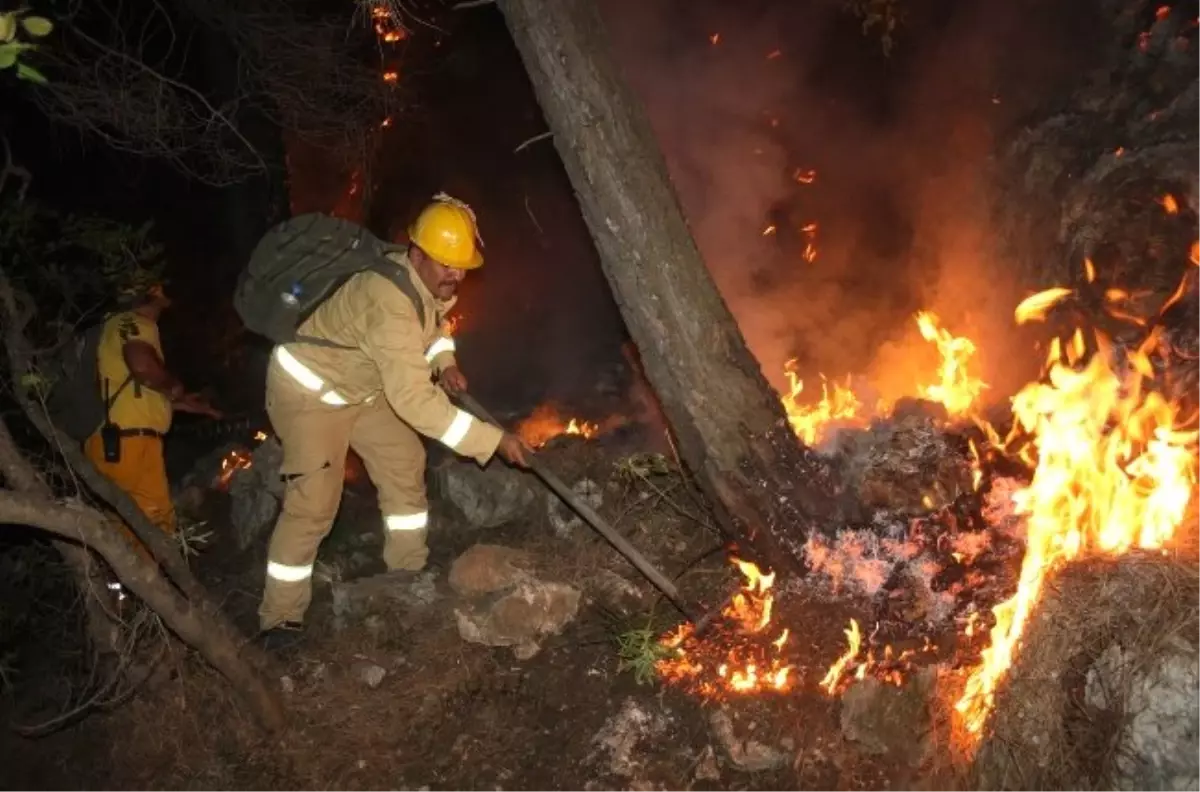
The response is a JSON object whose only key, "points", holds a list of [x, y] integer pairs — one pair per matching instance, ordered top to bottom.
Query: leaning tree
{"points": [[732, 432]]}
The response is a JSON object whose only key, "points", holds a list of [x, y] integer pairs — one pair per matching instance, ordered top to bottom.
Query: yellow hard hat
{"points": [[446, 230]]}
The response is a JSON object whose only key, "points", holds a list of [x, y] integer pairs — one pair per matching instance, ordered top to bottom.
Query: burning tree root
{"points": [[193, 623], [1103, 693]]}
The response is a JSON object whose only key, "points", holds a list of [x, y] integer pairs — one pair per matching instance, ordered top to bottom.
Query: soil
{"points": [[456, 715]]}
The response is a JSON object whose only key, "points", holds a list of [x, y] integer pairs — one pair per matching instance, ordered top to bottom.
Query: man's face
{"points": [[441, 280]]}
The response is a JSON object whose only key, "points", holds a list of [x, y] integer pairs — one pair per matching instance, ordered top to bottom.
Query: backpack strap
{"points": [[402, 281], [109, 402]]}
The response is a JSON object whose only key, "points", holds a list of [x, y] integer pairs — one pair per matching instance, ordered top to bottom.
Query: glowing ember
{"points": [[391, 76], [804, 176], [1169, 204], [957, 390], [546, 423], [259, 436], [1112, 472], [747, 662]]}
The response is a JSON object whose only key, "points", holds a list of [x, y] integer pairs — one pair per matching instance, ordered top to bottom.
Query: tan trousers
{"points": [[315, 438]]}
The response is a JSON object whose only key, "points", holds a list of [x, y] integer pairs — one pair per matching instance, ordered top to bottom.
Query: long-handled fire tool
{"points": [[620, 543]]}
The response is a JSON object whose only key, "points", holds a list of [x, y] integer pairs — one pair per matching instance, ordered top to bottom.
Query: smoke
{"points": [[746, 97]]}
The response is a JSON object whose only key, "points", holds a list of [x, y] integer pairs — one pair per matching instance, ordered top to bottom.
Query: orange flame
{"points": [[1169, 204], [956, 390], [808, 421], [545, 423], [237, 459], [1113, 471], [751, 665], [834, 675]]}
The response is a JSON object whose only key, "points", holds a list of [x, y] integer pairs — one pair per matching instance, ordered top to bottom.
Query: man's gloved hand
{"points": [[452, 380], [513, 450]]}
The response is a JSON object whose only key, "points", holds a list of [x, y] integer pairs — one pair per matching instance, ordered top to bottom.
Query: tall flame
{"points": [[956, 390], [1113, 472]]}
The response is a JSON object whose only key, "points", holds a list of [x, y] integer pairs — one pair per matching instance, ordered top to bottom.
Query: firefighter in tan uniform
{"points": [[373, 395]]}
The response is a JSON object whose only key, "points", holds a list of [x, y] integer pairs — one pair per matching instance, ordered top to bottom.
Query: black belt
{"points": [[140, 433]]}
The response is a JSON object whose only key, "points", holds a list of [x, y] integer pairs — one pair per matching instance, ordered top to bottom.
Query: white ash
{"points": [[851, 562], [860, 563]]}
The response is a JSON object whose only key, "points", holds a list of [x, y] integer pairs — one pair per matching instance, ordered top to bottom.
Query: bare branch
{"points": [[532, 140], [12, 170], [194, 623]]}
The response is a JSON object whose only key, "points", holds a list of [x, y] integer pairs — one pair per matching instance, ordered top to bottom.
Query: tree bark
{"points": [[730, 425]]}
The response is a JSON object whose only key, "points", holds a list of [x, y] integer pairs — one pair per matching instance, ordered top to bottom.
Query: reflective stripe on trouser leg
{"points": [[314, 461], [309, 505], [404, 545]]}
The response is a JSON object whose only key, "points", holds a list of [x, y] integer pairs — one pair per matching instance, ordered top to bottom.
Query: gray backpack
{"points": [[301, 262]]}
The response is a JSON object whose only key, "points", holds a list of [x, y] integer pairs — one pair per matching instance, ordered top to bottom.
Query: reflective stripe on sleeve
{"points": [[443, 344], [333, 398], [458, 429], [406, 522], [288, 573]]}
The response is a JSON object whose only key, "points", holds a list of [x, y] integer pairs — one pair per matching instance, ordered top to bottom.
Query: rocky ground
{"points": [[519, 658]]}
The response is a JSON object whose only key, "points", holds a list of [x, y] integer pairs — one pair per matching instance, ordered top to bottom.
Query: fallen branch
{"points": [[193, 623]]}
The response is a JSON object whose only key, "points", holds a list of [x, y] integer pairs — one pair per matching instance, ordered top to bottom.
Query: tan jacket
{"points": [[394, 353]]}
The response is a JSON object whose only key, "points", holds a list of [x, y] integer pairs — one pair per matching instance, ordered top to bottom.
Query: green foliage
{"points": [[886, 15], [12, 25], [639, 651]]}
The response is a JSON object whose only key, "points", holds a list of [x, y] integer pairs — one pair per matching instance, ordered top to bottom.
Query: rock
{"points": [[256, 493], [486, 497], [562, 518], [485, 568], [359, 599], [532, 610], [368, 673], [1156, 704], [885, 719], [622, 734], [749, 755]]}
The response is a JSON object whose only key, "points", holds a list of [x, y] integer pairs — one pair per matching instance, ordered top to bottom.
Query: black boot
{"points": [[282, 637]]}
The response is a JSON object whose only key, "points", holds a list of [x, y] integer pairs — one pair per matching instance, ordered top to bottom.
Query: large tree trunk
{"points": [[731, 428]]}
